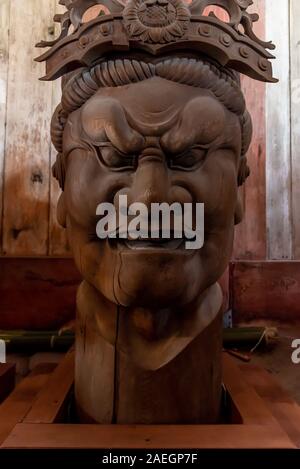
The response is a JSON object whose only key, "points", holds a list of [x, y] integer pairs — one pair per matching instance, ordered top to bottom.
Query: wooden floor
{"points": [[278, 360], [263, 416]]}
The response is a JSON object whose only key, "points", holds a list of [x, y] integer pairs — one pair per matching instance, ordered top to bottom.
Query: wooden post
{"points": [[114, 382]]}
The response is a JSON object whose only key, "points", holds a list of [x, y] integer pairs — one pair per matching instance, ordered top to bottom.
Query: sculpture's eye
{"points": [[114, 159], [190, 159]]}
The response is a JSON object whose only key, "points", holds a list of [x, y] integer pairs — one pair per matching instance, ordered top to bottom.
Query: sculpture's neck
{"points": [[150, 338], [138, 366]]}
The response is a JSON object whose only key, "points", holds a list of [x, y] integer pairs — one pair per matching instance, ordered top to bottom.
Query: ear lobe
{"points": [[244, 170], [243, 174], [61, 211], [239, 211]]}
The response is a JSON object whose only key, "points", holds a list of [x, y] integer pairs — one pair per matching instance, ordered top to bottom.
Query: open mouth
{"points": [[122, 241], [174, 241], [159, 242], [144, 244]]}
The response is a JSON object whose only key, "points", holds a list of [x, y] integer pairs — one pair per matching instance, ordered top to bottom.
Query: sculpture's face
{"points": [[164, 142]]}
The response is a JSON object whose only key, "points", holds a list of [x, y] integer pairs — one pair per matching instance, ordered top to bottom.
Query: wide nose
{"points": [[151, 181]]}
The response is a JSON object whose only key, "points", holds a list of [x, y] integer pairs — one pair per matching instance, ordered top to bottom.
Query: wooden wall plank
{"points": [[4, 41], [295, 121], [27, 160], [278, 169], [30, 223], [250, 235], [58, 243], [268, 291]]}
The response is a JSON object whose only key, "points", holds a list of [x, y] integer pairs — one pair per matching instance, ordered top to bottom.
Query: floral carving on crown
{"points": [[156, 21], [155, 27]]}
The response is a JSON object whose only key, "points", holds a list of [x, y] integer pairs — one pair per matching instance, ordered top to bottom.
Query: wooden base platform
{"points": [[261, 416]]}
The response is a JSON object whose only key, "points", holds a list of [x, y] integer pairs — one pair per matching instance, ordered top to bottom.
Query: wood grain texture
{"points": [[4, 47], [295, 122], [27, 160], [278, 169], [30, 223], [250, 235], [58, 243], [46, 291], [268, 291], [37, 293], [95, 361], [127, 374], [185, 390], [245, 399], [277, 400], [50, 405], [16, 406], [259, 428], [68, 436]]}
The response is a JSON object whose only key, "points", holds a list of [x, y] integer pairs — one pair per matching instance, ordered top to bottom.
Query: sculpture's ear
{"points": [[247, 131], [59, 170], [244, 171], [61, 210], [239, 210]]}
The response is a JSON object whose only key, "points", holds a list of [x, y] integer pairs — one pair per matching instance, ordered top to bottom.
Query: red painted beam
{"points": [[268, 290], [37, 293]]}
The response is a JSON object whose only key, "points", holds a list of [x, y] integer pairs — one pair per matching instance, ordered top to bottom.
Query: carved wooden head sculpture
{"points": [[151, 108]]}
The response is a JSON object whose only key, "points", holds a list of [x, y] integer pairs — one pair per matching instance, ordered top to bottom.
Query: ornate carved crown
{"points": [[158, 27]]}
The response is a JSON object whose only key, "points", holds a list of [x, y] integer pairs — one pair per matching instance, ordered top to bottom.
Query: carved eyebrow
{"points": [[103, 118], [187, 133], [109, 144]]}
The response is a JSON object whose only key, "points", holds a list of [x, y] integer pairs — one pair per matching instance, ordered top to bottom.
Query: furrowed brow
{"points": [[104, 118], [202, 120]]}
